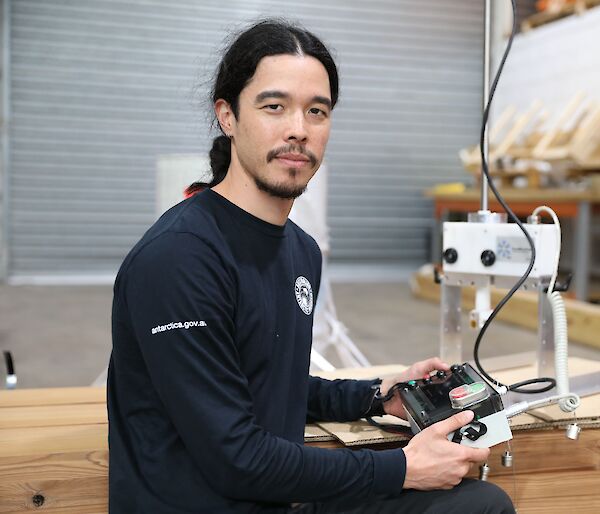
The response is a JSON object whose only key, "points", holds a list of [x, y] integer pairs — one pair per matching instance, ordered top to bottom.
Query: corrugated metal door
{"points": [[99, 89]]}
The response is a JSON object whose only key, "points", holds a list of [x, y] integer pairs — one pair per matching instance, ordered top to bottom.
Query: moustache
{"points": [[273, 154]]}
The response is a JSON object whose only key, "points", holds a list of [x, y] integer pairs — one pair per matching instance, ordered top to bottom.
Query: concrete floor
{"points": [[60, 336]]}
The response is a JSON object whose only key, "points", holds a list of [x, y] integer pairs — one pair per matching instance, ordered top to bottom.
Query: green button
{"points": [[411, 382]]}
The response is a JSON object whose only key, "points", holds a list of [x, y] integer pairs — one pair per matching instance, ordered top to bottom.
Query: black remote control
{"points": [[441, 395]]}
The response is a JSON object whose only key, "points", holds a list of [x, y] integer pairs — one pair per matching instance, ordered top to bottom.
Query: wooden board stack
{"points": [[54, 451]]}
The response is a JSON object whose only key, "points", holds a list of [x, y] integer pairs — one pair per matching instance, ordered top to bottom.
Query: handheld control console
{"points": [[437, 397]]}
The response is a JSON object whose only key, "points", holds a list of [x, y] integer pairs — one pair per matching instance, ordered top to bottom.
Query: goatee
{"points": [[283, 191]]}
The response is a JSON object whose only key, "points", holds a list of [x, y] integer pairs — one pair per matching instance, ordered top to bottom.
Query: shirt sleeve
{"points": [[179, 294], [341, 400]]}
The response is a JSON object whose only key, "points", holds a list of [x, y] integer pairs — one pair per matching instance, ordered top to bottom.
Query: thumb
{"points": [[455, 422]]}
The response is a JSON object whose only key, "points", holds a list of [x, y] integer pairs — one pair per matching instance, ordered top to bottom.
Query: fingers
{"points": [[437, 363], [422, 368], [419, 370], [454, 422], [478, 454]]}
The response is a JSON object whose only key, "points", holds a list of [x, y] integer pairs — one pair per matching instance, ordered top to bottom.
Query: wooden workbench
{"points": [[578, 205], [54, 455]]}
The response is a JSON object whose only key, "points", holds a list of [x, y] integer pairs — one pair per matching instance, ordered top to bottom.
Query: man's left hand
{"points": [[416, 371]]}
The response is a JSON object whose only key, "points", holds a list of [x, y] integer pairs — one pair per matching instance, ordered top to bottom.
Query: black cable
{"points": [[513, 216], [8, 361], [517, 386], [391, 392], [390, 427]]}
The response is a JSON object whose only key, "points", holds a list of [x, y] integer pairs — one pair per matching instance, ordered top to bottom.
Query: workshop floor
{"points": [[60, 336]]}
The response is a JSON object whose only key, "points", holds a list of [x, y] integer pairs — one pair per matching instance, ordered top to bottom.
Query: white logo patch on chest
{"points": [[304, 295]]}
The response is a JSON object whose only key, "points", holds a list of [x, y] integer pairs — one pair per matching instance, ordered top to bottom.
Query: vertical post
{"points": [[486, 95], [582, 249], [451, 350], [546, 367]]}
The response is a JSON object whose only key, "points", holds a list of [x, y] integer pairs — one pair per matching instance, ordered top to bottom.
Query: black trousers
{"points": [[469, 497]]}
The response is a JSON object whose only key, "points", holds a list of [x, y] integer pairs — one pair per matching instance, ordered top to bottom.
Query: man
{"points": [[208, 387]]}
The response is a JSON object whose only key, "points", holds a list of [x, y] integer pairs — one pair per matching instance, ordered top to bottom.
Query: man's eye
{"points": [[273, 107], [317, 112]]}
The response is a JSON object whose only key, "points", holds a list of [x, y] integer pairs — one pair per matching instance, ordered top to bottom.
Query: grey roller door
{"points": [[100, 88]]}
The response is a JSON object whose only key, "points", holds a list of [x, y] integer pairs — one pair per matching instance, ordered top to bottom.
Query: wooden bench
{"points": [[54, 457]]}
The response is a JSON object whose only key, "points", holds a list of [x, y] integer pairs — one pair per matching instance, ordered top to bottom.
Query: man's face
{"points": [[283, 124]]}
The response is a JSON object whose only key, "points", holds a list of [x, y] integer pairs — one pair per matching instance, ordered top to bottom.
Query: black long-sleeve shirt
{"points": [[208, 386]]}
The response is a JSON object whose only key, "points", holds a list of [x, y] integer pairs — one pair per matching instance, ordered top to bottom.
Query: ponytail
{"points": [[220, 157]]}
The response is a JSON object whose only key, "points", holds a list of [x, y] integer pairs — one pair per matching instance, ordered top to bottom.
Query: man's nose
{"points": [[296, 130]]}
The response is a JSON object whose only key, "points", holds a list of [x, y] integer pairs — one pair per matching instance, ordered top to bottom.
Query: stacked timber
{"points": [[552, 10], [526, 149], [54, 451], [54, 456]]}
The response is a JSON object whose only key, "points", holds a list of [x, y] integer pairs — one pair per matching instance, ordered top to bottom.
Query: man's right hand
{"points": [[433, 462]]}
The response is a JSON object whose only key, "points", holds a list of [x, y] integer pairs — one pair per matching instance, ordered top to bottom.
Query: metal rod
{"points": [[486, 96], [583, 225]]}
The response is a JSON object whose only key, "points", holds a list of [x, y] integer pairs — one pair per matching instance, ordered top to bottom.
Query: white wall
{"points": [[552, 63]]}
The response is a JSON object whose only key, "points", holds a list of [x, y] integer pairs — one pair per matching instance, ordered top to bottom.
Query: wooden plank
{"points": [[550, 15], [516, 130], [551, 136], [585, 144], [549, 195], [563, 209], [522, 310], [362, 373], [52, 396], [53, 415], [45, 440], [541, 451], [68, 464], [59, 466], [551, 475], [78, 478], [69, 482], [554, 492], [89, 494], [100, 508]]}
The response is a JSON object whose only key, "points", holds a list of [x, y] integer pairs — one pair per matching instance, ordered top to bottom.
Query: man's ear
{"points": [[225, 116]]}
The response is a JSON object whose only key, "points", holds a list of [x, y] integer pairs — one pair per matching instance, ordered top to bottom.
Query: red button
{"points": [[459, 392]]}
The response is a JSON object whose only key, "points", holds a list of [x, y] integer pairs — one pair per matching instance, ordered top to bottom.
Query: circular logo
{"points": [[504, 249], [304, 295]]}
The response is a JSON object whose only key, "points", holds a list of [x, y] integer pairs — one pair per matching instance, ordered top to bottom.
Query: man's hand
{"points": [[416, 371], [433, 462]]}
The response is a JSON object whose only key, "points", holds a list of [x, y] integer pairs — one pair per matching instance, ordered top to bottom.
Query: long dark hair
{"points": [[236, 69]]}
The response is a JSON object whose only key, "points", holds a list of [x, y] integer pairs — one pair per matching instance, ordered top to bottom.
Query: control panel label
{"points": [[513, 249]]}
